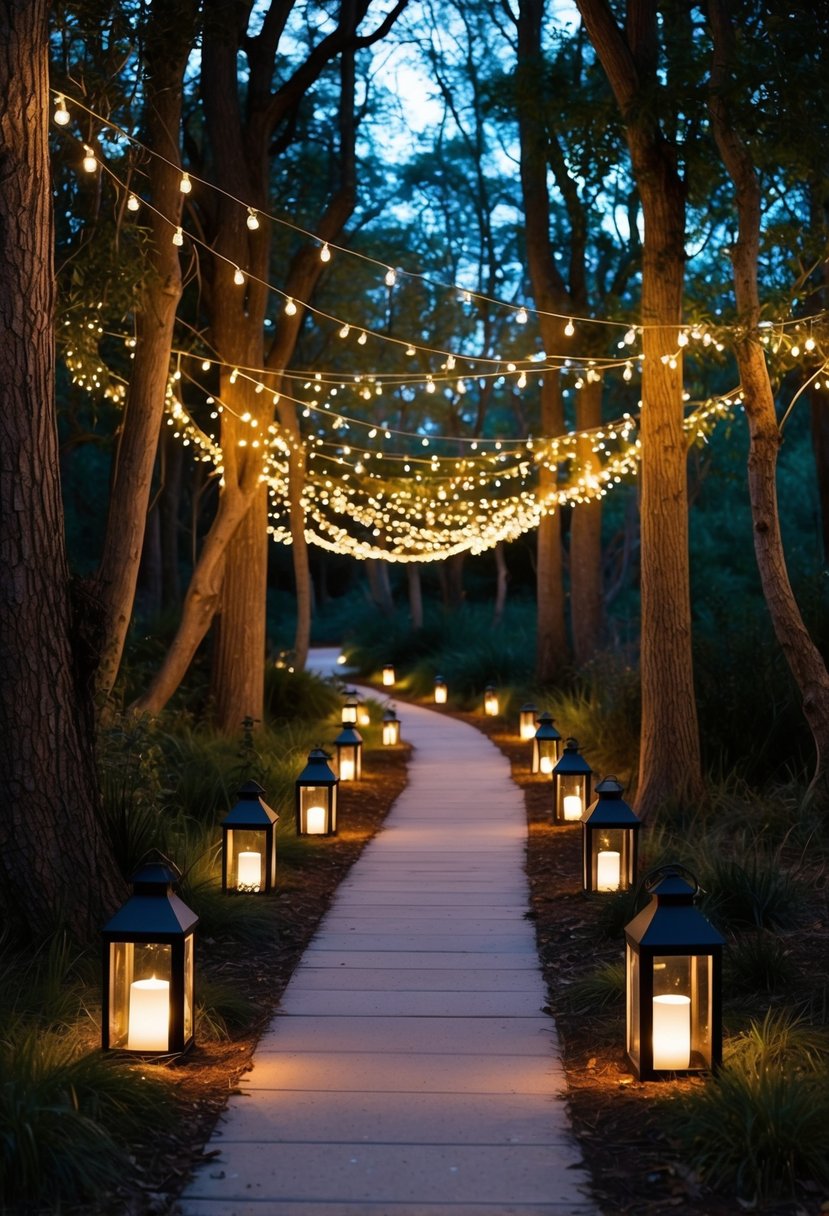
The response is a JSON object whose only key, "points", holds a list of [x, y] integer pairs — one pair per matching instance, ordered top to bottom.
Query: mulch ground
{"points": [[635, 1168]]}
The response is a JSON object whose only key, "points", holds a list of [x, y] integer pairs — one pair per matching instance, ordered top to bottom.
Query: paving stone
{"points": [[308, 978], [404, 1033]]}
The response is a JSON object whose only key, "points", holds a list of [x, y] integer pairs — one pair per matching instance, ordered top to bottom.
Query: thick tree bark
{"points": [[168, 44], [450, 573], [415, 594], [586, 597], [803, 657], [669, 765], [56, 869]]}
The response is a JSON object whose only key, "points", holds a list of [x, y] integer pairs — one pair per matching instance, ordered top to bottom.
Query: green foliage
{"points": [[298, 696], [602, 711], [753, 893], [758, 962], [601, 990], [222, 1010], [66, 1116], [761, 1124]]}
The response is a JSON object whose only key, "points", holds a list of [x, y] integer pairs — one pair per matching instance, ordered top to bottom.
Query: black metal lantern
{"points": [[388, 676], [441, 691], [491, 701], [349, 710], [527, 716], [391, 728], [546, 745], [349, 754], [572, 785], [316, 797], [249, 844], [610, 845], [674, 980], [147, 1004]]}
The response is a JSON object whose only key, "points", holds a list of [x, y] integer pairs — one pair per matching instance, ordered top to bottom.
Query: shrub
{"points": [[758, 962]]}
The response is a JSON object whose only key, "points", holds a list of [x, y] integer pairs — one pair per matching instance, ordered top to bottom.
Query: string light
{"points": [[61, 115], [90, 163], [185, 185], [132, 203], [252, 220], [178, 237], [325, 254], [238, 277], [391, 277], [290, 307], [522, 316], [569, 329]]}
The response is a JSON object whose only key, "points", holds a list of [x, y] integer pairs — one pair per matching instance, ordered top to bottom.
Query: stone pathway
{"points": [[410, 1070]]}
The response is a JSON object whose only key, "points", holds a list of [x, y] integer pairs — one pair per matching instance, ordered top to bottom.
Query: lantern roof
{"points": [[528, 708], [390, 714], [546, 730], [349, 735], [572, 763], [316, 771], [610, 809], [250, 811], [153, 909], [671, 921]]}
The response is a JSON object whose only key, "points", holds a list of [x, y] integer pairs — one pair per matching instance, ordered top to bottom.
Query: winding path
{"points": [[410, 1070]]}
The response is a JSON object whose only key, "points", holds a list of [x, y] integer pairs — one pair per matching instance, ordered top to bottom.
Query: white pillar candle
{"points": [[440, 696], [527, 730], [389, 733], [545, 764], [346, 769], [572, 806], [315, 820], [608, 870], [249, 874], [149, 1020], [671, 1031]]}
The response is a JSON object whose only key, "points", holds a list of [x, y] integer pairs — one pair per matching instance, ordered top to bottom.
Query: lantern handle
{"points": [[671, 869]]}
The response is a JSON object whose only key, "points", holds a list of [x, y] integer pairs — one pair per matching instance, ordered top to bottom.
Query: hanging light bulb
{"points": [[61, 113], [90, 164], [185, 185], [132, 203], [253, 220], [178, 237], [325, 254], [238, 277], [391, 277], [290, 307], [521, 316], [569, 329], [345, 331], [363, 338], [682, 338], [410, 350], [205, 365], [627, 374], [522, 380], [430, 385]]}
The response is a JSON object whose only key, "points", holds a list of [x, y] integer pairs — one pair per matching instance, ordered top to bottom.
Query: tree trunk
{"points": [[169, 42], [820, 446], [169, 504], [377, 573], [451, 582], [502, 583], [148, 590], [415, 595], [586, 597], [551, 651], [803, 657], [669, 763], [56, 869]]}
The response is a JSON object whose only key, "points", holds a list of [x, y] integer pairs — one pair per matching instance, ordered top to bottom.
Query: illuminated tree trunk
{"points": [[168, 44], [586, 598], [551, 651], [803, 657], [669, 766], [56, 870]]}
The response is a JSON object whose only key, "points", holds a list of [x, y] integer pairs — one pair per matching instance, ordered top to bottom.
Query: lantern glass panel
{"points": [[388, 676], [440, 693], [491, 704], [349, 714], [526, 724], [391, 733], [545, 755], [349, 761], [571, 795], [314, 810], [247, 859], [610, 859], [188, 986], [139, 995], [682, 1011], [634, 1018]]}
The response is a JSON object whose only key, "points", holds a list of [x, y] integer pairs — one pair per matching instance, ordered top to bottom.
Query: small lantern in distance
{"points": [[388, 675], [441, 691], [491, 701], [363, 714], [348, 716], [527, 716], [391, 728], [546, 745], [349, 754], [572, 785], [316, 797], [249, 844], [610, 844], [673, 971], [147, 1004]]}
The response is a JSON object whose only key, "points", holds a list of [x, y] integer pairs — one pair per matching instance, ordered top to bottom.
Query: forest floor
{"points": [[636, 1170]]}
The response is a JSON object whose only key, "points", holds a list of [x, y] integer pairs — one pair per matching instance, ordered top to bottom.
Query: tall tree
{"points": [[802, 655], [670, 754], [55, 867]]}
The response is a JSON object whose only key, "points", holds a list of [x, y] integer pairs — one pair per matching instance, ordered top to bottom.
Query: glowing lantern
{"points": [[388, 675], [441, 691], [491, 701], [349, 711], [363, 714], [527, 716], [391, 728], [546, 745], [349, 754], [572, 785], [316, 797], [610, 842], [249, 844], [148, 967], [674, 981]]}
